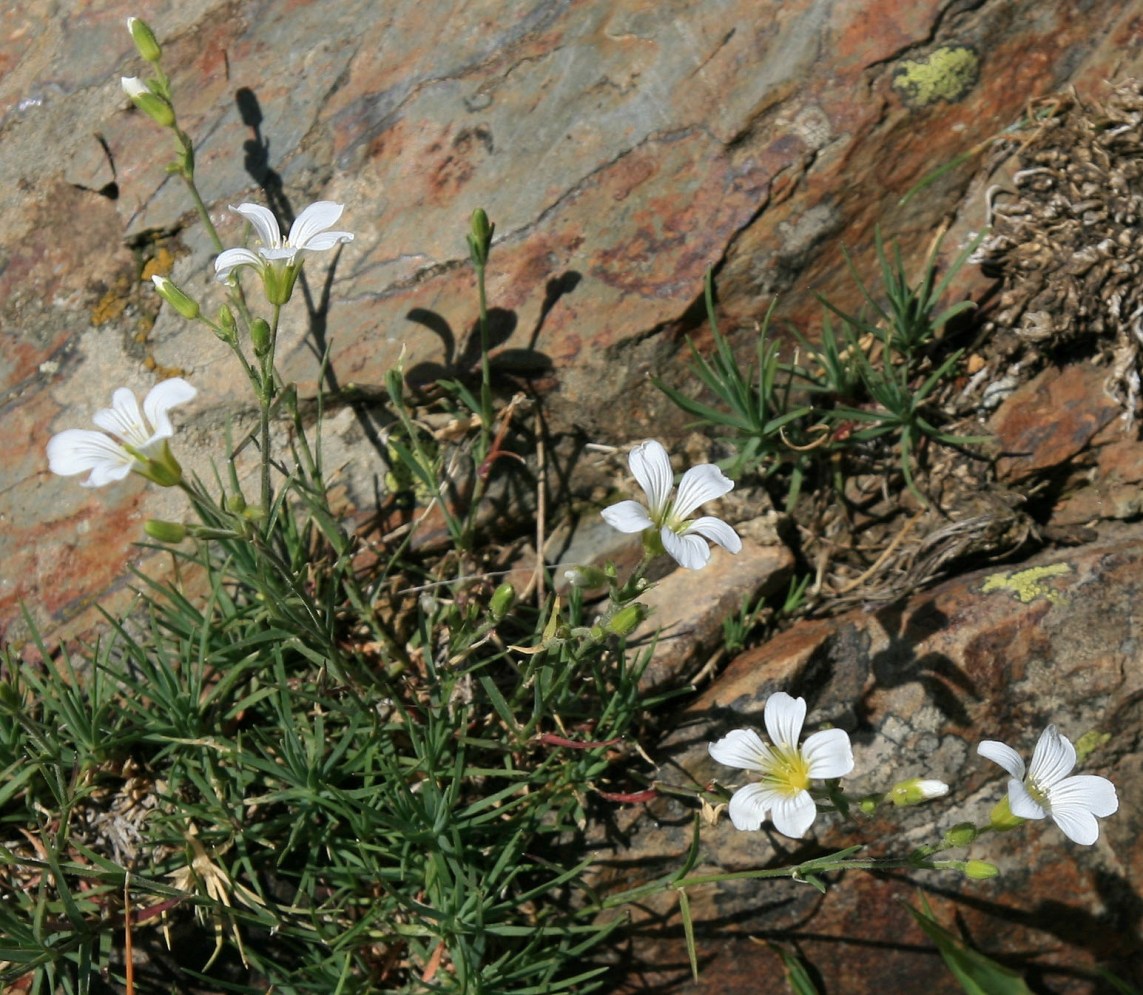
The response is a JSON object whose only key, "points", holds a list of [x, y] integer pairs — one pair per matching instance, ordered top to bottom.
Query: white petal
{"points": [[133, 86], [319, 216], [263, 222], [326, 240], [279, 254], [231, 259], [162, 397], [124, 419], [78, 450], [651, 466], [700, 484], [627, 516], [716, 530], [690, 551], [784, 719], [742, 748], [828, 754], [1004, 755], [1052, 760], [927, 787], [1095, 793], [1023, 804], [750, 805], [793, 816], [1076, 823]]}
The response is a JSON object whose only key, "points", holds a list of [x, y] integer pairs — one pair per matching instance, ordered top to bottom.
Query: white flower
{"points": [[277, 259], [134, 440], [684, 539], [787, 769], [1072, 803]]}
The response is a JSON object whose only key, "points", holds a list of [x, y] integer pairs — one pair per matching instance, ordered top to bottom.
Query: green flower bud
{"points": [[146, 44], [149, 102], [480, 238], [176, 298], [227, 327], [260, 336], [236, 503], [170, 532], [586, 577], [501, 601], [627, 619], [916, 790], [961, 834], [980, 870]]}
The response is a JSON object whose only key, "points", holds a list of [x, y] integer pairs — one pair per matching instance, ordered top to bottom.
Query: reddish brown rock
{"points": [[1051, 419]]}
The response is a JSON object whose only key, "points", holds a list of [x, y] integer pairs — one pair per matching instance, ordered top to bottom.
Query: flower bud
{"points": [[146, 44], [149, 102], [480, 238], [176, 298], [227, 327], [260, 336], [236, 503], [170, 532], [585, 577], [501, 601], [627, 619], [916, 790], [961, 834], [980, 870]]}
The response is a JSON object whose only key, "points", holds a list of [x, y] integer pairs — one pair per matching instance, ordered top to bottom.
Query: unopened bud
{"points": [[146, 44], [149, 102], [480, 237], [176, 298], [227, 327], [260, 336], [236, 503], [170, 532], [585, 577], [501, 601], [627, 619], [916, 790], [961, 834], [980, 870]]}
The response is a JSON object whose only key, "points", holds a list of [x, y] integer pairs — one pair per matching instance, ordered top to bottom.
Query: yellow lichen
{"points": [[947, 73], [160, 264], [109, 307], [1028, 585]]}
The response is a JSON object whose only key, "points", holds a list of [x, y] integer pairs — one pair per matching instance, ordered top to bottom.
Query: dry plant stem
{"points": [[879, 562]]}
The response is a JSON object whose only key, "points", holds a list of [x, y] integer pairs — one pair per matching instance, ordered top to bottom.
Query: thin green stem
{"points": [[266, 393]]}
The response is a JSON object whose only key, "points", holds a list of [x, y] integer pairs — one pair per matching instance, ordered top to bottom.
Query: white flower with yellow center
{"points": [[279, 260], [130, 441], [683, 538], [1046, 790], [783, 794]]}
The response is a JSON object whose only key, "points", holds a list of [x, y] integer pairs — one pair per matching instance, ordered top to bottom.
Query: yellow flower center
{"points": [[788, 772]]}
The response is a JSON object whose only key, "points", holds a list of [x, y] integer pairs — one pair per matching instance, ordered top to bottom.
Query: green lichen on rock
{"points": [[947, 73]]}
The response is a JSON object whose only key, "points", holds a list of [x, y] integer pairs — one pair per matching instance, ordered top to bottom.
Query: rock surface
{"points": [[621, 149]]}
